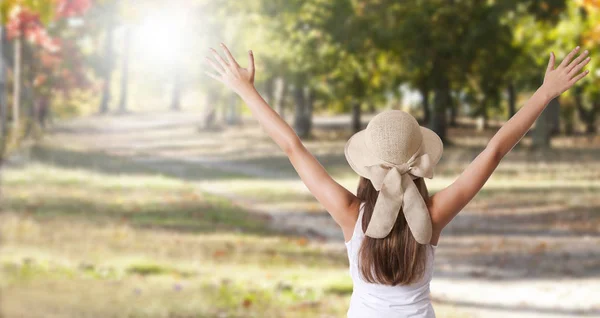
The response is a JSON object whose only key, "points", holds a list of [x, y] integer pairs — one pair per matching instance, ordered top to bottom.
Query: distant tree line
{"points": [[468, 58]]}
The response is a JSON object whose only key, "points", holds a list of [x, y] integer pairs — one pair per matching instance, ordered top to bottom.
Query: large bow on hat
{"points": [[398, 190]]}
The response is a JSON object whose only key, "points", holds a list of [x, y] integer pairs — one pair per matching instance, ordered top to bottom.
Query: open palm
{"points": [[230, 72], [559, 79]]}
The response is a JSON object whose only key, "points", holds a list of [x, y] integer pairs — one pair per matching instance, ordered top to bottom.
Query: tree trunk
{"points": [[108, 67], [125, 71], [17, 82], [424, 90], [269, 91], [359, 94], [28, 96], [279, 96], [176, 97], [310, 99], [512, 100], [441, 101], [3, 105], [44, 106], [371, 107], [553, 110], [453, 112], [484, 113], [224, 114], [356, 114], [587, 116], [232, 117], [208, 118], [591, 123], [301, 125], [540, 136]]}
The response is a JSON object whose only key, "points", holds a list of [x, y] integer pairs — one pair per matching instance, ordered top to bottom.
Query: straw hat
{"points": [[391, 152]]}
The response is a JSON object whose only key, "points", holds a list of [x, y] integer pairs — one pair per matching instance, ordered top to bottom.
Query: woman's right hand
{"points": [[230, 73], [559, 79]]}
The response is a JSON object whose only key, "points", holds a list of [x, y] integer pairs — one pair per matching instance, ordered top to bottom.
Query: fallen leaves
{"points": [[303, 241], [540, 248], [219, 253], [247, 302]]}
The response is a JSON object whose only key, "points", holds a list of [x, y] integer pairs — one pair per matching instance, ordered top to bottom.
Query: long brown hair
{"points": [[397, 259]]}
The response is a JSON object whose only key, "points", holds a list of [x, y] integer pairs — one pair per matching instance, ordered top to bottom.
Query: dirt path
{"points": [[491, 263]]}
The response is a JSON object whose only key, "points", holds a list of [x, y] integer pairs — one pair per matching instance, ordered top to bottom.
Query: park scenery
{"points": [[133, 185]]}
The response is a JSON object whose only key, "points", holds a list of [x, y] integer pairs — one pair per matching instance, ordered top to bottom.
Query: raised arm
{"points": [[337, 200], [447, 203]]}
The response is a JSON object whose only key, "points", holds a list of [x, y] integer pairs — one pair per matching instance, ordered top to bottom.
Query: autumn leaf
{"points": [[303, 241], [540, 248], [219, 253], [247, 302]]}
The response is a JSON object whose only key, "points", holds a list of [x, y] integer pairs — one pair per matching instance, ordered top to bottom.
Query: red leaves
{"points": [[71, 8], [22, 21], [26, 23], [63, 73]]}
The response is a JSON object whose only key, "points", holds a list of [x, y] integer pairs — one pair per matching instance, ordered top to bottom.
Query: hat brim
{"points": [[432, 145], [358, 155]]}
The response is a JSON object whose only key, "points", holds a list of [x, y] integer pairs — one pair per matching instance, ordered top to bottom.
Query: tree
{"points": [[27, 20], [24, 24], [292, 29], [446, 45], [349, 54], [108, 58], [125, 70], [355, 70], [587, 96], [3, 106]]}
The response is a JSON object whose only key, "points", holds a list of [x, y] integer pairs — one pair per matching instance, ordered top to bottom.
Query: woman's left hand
{"points": [[230, 73], [559, 79]]}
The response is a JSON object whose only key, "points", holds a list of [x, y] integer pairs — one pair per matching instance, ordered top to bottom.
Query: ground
{"points": [[144, 215]]}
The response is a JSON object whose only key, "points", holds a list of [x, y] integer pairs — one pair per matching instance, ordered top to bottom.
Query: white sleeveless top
{"points": [[375, 300]]}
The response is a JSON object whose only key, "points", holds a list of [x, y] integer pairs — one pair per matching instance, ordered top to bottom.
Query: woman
{"points": [[392, 226]]}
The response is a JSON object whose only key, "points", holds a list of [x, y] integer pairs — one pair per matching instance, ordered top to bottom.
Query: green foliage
{"points": [[45, 9], [353, 51], [146, 269]]}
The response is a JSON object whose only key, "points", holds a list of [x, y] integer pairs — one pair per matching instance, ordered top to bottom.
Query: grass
{"points": [[141, 201], [96, 230], [79, 243]]}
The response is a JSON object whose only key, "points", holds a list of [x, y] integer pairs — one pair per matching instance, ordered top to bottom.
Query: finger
{"points": [[230, 57], [569, 57], [220, 59], [577, 60], [251, 62], [551, 62], [214, 65], [579, 66], [580, 76], [217, 77]]}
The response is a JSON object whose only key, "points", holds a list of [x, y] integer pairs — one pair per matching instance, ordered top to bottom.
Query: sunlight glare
{"points": [[161, 36]]}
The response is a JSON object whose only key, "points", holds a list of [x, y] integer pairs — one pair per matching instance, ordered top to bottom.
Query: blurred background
{"points": [[133, 185]]}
